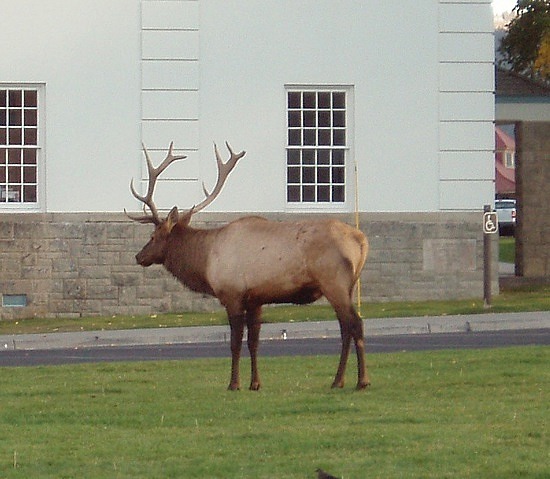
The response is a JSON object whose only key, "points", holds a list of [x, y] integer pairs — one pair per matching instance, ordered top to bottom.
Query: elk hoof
{"points": [[337, 385], [362, 385], [254, 386], [233, 387]]}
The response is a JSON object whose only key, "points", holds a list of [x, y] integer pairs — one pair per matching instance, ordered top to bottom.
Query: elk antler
{"points": [[223, 172], [154, 173]]}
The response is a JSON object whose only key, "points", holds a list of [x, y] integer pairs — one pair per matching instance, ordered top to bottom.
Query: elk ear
{"points": [[172, 218]]}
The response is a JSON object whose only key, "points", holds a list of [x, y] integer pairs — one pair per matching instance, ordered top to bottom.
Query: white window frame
{"points": [[347, 149], [39, 204]]}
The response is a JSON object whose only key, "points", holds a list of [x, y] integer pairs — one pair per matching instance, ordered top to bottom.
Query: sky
{"points": [[501, 6]]}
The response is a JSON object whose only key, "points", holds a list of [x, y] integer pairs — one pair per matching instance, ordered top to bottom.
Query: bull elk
{"points": [[253, 261]]}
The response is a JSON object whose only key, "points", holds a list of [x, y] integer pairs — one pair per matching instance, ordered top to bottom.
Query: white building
{"points": [[400, 94]]}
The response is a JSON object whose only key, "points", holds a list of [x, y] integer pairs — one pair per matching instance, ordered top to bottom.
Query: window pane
{"points": [[3, 98], [15, 98], [31, 98], [294, 99], [310, 100], [324, 100], [338, 100], [16, 117], [3, 118], [294, 118], [309, 118], [324, 118], [339, 118], [3, 136], [15, 136], [30, 136], [294, 137], [309, 137], [324, 137], [339, 138], [3, 156], [14, 156], [29, 156], [293, 157], [308, 157], [323, 157], [337, 157], [2, 174], [14, 174], [29, 174], [338, 174], [293, 175], [308, 175], [323, 175], [14, 193], [29, 193], [308, 193], [323, 193], [293, 194], [338, 195]]}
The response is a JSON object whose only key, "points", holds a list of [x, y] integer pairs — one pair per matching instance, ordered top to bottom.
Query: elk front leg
{"points": [[253, 320], [237, 327]]}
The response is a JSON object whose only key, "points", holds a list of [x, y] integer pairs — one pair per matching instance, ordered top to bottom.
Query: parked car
{"points": [[506, 212]]}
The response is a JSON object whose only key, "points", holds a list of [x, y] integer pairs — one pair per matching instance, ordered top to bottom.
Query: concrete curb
{"points": [[307, 330]]}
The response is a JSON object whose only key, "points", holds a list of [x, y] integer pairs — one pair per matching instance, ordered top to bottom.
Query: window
{"points": [[19, 146], [317, 146], [509, 159]]}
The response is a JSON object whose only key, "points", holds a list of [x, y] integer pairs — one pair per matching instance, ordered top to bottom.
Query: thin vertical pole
{"points": [[357, 226], [487, 264]]}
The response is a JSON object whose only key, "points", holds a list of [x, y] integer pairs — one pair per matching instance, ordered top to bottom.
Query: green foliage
{"points": [[522, 45], [427, 415]]}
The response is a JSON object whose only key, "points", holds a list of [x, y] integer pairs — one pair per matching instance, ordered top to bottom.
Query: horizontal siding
{"points": [[170, 15], [462, 17], [170, 45], [466, 47], [170, 75], [466, 77], [170, 89], [165, 105], [463, 106], [466, 136], [466, 165], [466, 195]]}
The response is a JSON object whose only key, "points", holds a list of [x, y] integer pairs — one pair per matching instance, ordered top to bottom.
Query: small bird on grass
{"points": [[324, 475]]}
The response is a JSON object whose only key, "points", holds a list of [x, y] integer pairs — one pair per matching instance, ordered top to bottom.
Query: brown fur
{"points": [[252, 261]]}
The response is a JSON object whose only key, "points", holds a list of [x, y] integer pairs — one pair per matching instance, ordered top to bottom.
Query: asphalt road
{"points": [[294, 347]]}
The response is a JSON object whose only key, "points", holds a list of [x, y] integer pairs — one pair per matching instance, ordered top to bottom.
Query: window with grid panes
{"points": [[317, 144], [19, 145]]}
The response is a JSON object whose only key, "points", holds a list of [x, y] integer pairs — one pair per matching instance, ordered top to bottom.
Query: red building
{"points": [[505, 168]]}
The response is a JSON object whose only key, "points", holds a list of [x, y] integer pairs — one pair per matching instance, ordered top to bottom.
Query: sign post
{"points": [[490, 227]]}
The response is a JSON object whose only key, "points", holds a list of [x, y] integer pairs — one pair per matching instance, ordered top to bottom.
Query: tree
{"points": [[525, 47]]}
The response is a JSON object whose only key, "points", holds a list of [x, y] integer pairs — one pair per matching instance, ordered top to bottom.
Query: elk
{"points": [[253, 261]]}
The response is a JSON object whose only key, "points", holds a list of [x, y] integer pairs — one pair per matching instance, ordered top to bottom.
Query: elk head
{"points": [[154, 252]]}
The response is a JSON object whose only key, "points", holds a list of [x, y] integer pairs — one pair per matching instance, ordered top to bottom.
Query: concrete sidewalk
{"points": [[313, 329]]}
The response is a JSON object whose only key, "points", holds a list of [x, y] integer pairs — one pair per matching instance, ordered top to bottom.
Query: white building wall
{"points": [[84, 54], [195, 71], [466, 104]]}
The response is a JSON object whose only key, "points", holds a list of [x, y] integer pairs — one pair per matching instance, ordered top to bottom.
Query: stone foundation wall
{"points": [[533, 193], [79, 265]]}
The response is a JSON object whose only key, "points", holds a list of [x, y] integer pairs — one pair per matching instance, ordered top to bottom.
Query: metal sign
{"points": [[490, 222]]}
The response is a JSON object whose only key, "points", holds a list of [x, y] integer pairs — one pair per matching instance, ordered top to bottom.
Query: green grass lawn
{"points": [[507, 249], [449, 414]]}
